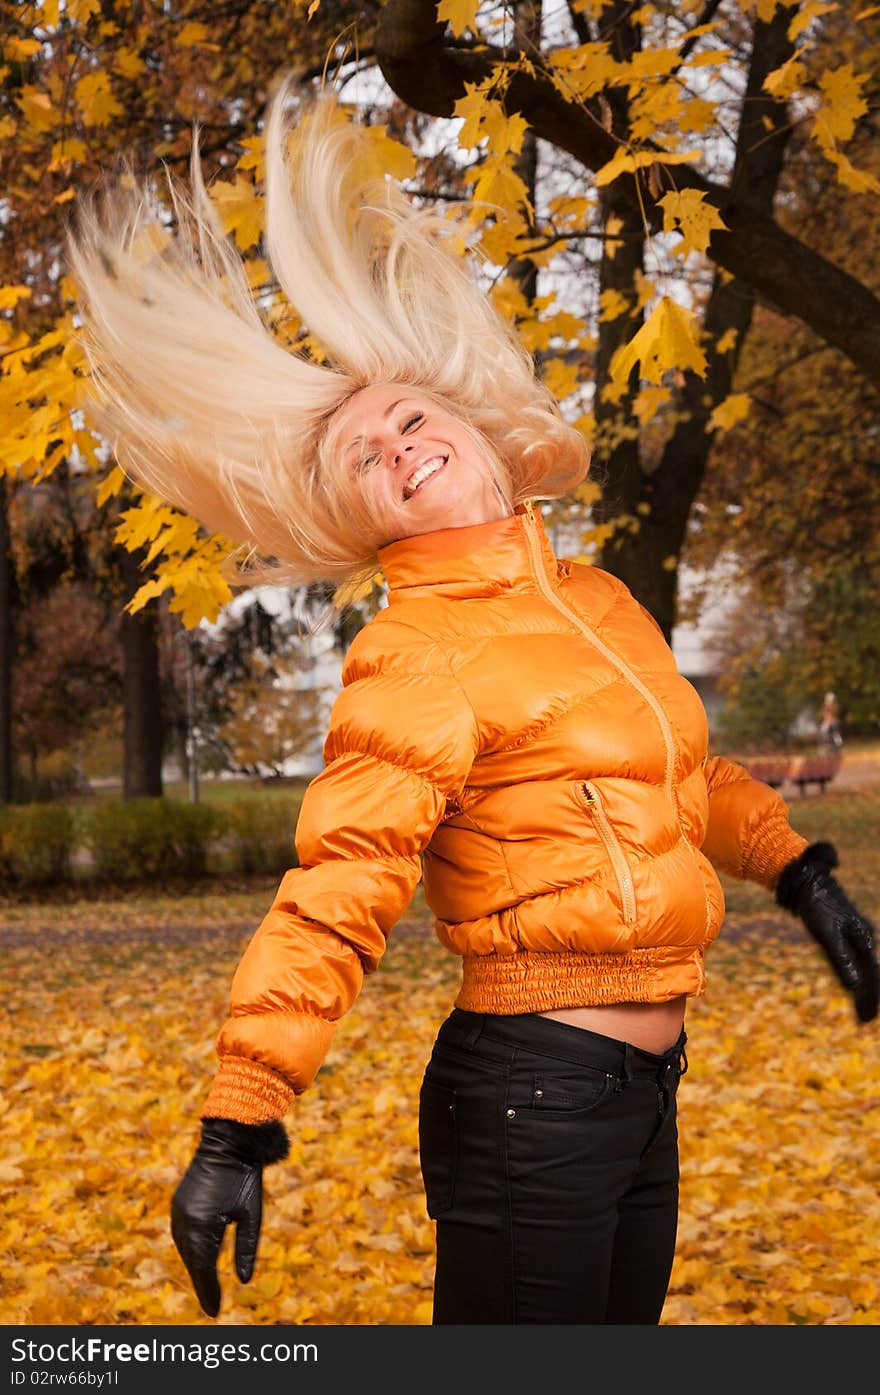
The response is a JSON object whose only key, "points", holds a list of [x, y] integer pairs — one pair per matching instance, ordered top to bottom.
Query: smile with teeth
{"points": [[423, 472]]}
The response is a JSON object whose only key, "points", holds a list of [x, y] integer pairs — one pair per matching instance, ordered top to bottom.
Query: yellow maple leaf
{"points": [[82, 9], [807, 13], [461, 15], [192, 33], [20, 50], [127, 62], [787, 78], [95, 98], [842, 104], [36, 108], [470, 110], [504, 133], [67, 151], [385, 155], [253, 157], [627, 162], [860, 181], [495, 182], [240, 208], [688, 213], [499, 239], [10, 295], [613, 304], [667, 340], [727, 341], [560, 377], [648, 402], [734, 408], [110, 485]]}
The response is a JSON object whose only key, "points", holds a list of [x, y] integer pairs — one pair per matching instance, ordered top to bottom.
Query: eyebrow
{"points": [[386, 414]]}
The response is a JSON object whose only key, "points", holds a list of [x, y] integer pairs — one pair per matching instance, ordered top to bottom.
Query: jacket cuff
{"points": [[775, 845], [247, 1091]]}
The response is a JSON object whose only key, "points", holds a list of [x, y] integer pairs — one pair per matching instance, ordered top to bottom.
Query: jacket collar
{"points": [[482, 560]]}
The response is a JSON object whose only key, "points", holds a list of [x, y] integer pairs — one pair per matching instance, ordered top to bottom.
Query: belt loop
{"points": [[474, 1031], [682, 1060], [626, 1073]]}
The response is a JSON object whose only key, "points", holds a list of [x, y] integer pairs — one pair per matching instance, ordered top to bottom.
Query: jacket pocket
{"points": [[591, 800], [438, 1145]]}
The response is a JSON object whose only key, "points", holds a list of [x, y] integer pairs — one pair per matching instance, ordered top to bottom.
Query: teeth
{"points": [[428, 468]]}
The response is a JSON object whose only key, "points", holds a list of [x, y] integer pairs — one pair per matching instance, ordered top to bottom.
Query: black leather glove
{"points": [[807, 889], [223, 1183]]}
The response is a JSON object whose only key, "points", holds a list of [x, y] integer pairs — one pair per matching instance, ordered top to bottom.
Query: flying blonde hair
{"points": [[204, 405]]}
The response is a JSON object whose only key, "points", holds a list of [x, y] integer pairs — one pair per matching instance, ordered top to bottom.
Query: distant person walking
{"points": [[829, 723]]}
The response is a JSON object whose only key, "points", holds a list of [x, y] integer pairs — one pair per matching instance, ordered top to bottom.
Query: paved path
{"points": [[856, 771]]}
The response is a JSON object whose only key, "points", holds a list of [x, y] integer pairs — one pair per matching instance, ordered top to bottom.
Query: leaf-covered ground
{"points": [[109, 1012]]}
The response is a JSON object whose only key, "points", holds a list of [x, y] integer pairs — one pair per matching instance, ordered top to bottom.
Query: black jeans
{"points": [[549, 1156]]}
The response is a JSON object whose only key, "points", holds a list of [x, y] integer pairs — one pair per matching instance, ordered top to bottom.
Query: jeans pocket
{"points": [[570, 1091], [438, 1145]]}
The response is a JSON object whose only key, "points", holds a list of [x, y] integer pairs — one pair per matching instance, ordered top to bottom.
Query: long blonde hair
{"points": [[206, 407]]}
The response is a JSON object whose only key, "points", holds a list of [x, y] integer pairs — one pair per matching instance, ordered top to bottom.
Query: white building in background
{"points": [[691, 642]]}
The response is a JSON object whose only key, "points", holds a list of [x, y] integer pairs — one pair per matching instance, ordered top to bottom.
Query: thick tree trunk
{"points": [[616, 462], [647, 558], [7, 647], [142, 697]]}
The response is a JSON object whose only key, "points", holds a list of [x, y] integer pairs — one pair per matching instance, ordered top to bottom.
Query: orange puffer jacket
{"points": [[515, 729]]}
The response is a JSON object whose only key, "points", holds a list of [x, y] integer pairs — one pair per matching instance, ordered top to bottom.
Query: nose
{"points": [[401, 450]]}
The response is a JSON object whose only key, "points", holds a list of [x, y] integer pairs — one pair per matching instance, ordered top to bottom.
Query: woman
{"points": [[511, 727]]}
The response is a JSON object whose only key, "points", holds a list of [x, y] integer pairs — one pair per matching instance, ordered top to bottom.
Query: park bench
{"points": [[773, 770], [814, 770], [801, 771]]}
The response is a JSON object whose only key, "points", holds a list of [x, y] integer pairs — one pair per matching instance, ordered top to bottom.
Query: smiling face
{"points": [[418, 465]]}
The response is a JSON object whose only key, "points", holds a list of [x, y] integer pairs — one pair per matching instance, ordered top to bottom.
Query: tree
{"points": [[77, 86], [67, 678], [273, 717]]}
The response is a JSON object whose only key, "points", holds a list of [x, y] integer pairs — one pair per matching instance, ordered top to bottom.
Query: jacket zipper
{"points": [[550, 594], [612, 846]]}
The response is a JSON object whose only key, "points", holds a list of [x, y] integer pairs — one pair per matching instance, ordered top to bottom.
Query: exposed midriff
{"points": [[652, 1026]]}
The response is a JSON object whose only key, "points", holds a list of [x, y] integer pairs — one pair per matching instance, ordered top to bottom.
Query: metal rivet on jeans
{"points": [[539, 1094], [511, 1113]]}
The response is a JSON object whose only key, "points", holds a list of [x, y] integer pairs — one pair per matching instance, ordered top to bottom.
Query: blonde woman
{"points": [[512, 728]]}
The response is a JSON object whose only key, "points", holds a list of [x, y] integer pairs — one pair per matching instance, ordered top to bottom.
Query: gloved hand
{"points": [[807, 889], [223, 1183]]}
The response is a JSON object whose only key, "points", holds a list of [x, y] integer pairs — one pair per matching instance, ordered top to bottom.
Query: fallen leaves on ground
{"points": [[109, 1014]]}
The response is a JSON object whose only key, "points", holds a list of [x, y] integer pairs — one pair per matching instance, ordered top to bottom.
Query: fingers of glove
{"points": [[247, 1234], [198, 1244]]}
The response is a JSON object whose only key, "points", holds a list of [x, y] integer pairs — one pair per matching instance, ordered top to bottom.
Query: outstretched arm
{"points": [[402, 740], [749, 835]]}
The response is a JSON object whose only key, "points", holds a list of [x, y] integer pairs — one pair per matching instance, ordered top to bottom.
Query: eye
{"points": [[413, 421], [365, 463]]}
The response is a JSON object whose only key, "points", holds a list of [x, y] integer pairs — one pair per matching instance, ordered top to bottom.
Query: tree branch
{"points": [[429, 74]]}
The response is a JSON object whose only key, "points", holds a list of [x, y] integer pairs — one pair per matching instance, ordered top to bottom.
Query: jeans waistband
{"points": [[546, 1036]]}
